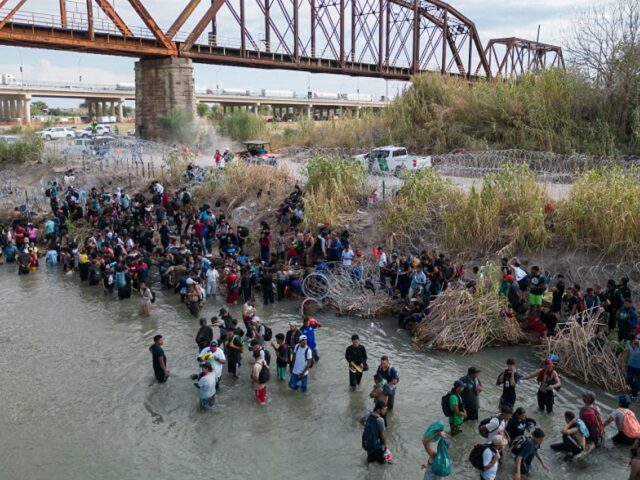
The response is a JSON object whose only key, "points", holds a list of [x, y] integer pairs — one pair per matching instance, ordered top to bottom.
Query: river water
{"points": [[79, 400]]}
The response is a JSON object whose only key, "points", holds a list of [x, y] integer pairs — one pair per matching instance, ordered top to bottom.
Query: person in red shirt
{"points": [[19, 235]]}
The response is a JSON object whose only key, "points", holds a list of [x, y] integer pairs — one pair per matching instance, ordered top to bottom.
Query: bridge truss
{"points": [[392, 39]]}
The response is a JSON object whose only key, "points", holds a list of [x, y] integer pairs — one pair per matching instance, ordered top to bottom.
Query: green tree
{"points": [[39, 108], [203, 109]]}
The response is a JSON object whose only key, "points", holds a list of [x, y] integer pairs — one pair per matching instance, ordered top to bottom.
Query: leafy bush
{"points": [[179, 126], [242, 126], [24, 150], [603, 211]]}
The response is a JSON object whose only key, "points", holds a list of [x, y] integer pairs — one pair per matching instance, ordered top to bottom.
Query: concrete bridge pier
{"points": [[162, 84], [15, 107]]}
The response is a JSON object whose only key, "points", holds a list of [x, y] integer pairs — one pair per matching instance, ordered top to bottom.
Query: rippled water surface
{"points": [[79, 400]]}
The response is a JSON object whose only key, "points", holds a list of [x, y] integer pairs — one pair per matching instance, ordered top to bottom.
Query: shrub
{"points": [[179, 126], [242, 126], [24, 150], [334, 186], [603, 211]]}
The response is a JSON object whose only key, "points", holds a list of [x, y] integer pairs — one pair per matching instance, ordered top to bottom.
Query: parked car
{"points": [[87, 132], [55, 133], [9, 138], [89, 146], [392, 159]]}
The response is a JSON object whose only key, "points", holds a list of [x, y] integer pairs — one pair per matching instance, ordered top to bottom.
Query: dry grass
{"points": [[335, 186], [603, 212]]}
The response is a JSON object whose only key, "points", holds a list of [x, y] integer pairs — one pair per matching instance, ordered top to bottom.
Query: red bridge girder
{"points": [[392, 39]]}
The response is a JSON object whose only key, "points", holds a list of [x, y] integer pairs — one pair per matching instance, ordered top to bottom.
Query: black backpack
{"points": [[153, 296], [268, 334], [267, 356], [265, 375], [446, 406], [371, 435], [475, 457]]}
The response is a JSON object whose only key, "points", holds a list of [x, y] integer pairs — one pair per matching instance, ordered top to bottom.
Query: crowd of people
{"points": [[203, 258]]}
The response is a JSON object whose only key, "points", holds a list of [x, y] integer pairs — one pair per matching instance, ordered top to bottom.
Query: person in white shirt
{"points": [[347, 256], [382, 263], [212, 281], [302, 362], [497, 425], [491, 458]]}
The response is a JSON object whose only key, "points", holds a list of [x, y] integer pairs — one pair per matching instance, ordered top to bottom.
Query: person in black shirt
{"points": [[557, 294], [204, 335], [356, 356], [159, 359], [509, 378], [517, 428]]}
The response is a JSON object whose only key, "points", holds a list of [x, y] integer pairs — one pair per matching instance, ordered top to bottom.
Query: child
{"points": [[283, 356]]}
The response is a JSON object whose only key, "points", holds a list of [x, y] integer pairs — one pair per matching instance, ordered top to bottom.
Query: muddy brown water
{"points": [[79, 401]]}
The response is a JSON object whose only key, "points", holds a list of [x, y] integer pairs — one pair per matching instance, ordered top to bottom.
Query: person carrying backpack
{"points": [[260, 376], [453, 407], [590, 415], [626, 422], [574, 435], [374, 437], [431, 442], [529, 451], [486, 457]]}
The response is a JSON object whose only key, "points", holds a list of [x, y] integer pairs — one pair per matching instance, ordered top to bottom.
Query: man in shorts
{"points": [[536, 291]]}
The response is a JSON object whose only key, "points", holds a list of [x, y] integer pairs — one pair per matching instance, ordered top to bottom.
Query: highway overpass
{"points": [[102, 100]]}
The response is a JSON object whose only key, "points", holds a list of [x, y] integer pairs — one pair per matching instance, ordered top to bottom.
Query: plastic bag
{"points": [[442, 461]]}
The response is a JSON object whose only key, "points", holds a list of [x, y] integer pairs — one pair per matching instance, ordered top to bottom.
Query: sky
{"points": [[493, 18]]}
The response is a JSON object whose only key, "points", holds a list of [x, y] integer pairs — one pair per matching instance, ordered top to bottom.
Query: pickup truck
{"points": [[100, 130], [392, 159]]}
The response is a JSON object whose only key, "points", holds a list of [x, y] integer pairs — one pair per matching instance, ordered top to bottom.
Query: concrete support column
{"points": [[162, 84], [13, 108], [112, 108], [27, 109], [105, 110], [121, 110], [310, 112], [358, 112], [2, 117]]}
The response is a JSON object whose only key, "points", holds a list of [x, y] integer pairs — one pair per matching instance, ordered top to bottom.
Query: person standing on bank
{"points": [[356, 356], [159, 359], [390, 374], [471, 393]]}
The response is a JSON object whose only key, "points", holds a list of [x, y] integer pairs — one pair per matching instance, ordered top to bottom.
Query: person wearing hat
{"points": [[217, 360], [301, 362], [548, 381], [207, 387], [471, 394], [456, 404], [621, 415], [491, 458]]}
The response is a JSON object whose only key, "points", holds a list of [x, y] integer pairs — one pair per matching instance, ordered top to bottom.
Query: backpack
{"points": [[47, 192], [153, 296], [268, 334], [267, 356], [305, 356], [265, 375], [446, 406], [591, 418], [630, 425], [482, 428], [584, 431], [371, 435], [518, 443], [475, 457]]}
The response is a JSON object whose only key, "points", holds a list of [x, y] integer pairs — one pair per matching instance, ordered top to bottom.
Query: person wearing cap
{"points": [[248, 312], [308, 329], [217, 360], [631, 360], [301, 363], [548, 381], [206, 387], [471, 394], [456, 404], [619, 416], [491, 458]]}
